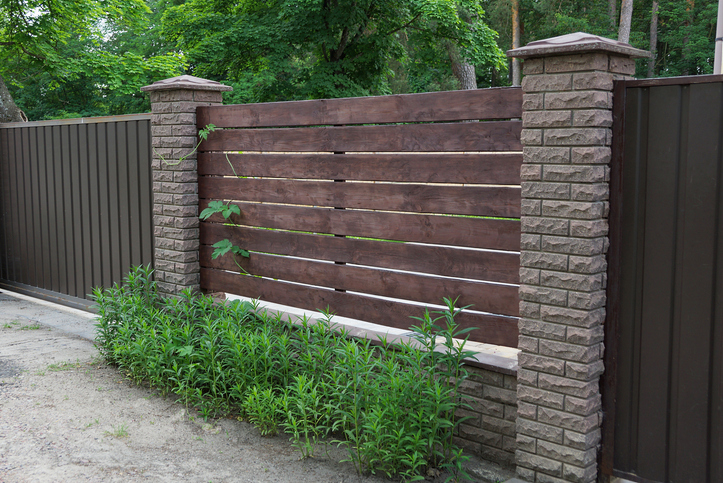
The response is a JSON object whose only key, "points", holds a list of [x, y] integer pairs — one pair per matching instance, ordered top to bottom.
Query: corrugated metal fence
{"points": [[76, 204], [666, 282]]}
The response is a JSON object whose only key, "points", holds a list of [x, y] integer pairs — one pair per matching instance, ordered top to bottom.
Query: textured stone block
{"points": [[576, 62], [622, 65], [533, 66], [593, 81], [544, 83], [214, 97], [578, 100], [532, 102], [593, 117], [545, 119], [588, 136], [531, 137], [546, 155], [590, 155], [531, 172], [574, 173], [548, 191], [590, 192], [185, 199], [530, 207], [573, 209], [173, 210], [187, 222], [546, 226], [588, 228], [530, 242], [186, 245], [572, 246], [548, 261], [593, 264], [529, 275], [571, 281], [543, 295], [587, 300], [529, 309], [574, 317], [537, 328], [579, 335], [528, 344], [569, 352], [541, 364], [584, 372], [486, 376], [526, 376], [572, 387], [499, 395], [541, 397], [583, 407], [489, 408], [527, 410], [565, 420], [499, 426], [539, 430], [480, 435], [582, 440], [566, 454], [497, 455], [539, 463], [525, 474], [576, 474]]}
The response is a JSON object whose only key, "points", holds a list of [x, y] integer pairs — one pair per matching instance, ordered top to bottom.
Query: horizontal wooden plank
{"points": [[499, 103], [466, 136], [475, 168], [496, 201], [442, 230], [446, 261], [484, 297], [493, 329]]}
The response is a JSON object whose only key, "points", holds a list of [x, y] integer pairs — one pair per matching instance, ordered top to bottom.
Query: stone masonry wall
{"points": [[566, 135], [490, 431]]}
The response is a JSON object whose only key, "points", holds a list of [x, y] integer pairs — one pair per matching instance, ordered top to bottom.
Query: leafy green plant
{"points": [[202, 136], [392, 407]]}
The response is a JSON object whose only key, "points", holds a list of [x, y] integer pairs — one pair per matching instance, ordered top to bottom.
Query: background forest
{"points": [[75, 58]]}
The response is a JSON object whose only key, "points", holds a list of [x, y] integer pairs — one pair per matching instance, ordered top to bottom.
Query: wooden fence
{"points": [[373, 207]]}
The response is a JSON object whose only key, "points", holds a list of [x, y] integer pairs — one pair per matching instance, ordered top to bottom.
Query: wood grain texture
{"points": [[498, 103], [466, 136], [477, 168], [495, 201], [442, 230], [446, 261], [484, 297], [493, 329]]}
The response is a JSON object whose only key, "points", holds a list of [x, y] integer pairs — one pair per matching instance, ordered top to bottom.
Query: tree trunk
{"points": [[613, 12], [626, 18], [653, 39], [463, 71], [516, 74], [9, 112]]}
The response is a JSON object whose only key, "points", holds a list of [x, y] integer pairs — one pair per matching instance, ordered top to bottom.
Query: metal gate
{"points": [[76, 204], [664, 388]]}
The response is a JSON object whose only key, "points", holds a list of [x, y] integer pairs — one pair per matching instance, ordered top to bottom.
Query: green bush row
{"points": [[392, 407]]}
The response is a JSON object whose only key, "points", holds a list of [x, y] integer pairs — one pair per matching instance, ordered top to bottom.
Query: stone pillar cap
{"points": [[576, 43], [186, 82]]}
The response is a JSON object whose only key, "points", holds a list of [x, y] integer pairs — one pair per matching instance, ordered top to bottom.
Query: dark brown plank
{"points": [[499, 103], [466, 136], [477, 168], [424, 198], [442, 230], [446, 261], [484, 297], [493, 329]]}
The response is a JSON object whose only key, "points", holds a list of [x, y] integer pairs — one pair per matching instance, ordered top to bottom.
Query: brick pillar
{"points": [[567, 119], [175, 185]]}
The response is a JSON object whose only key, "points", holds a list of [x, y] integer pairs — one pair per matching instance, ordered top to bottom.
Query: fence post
{"points": [[566, 137], [175, 182]]}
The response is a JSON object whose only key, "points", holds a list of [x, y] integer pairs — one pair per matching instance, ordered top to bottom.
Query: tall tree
{"points": [[626, 18], [653, 38], [63, 41]]}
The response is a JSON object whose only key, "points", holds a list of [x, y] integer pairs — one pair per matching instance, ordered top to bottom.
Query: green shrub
{"points": [[392, 407]]}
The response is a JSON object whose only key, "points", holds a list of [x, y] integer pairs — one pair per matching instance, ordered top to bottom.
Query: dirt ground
{"points": [[67, 417]]}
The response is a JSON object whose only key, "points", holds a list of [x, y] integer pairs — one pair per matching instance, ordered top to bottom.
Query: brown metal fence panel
{"points": [[76, 204], [373, 207], [668, 395]]}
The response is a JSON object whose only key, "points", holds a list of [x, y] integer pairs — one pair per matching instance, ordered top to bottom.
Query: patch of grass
{"points": [[31, 327], [63, 366], [120, 431]]}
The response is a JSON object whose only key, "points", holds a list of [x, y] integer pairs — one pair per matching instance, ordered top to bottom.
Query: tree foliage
{"points": [[300, 49]]}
